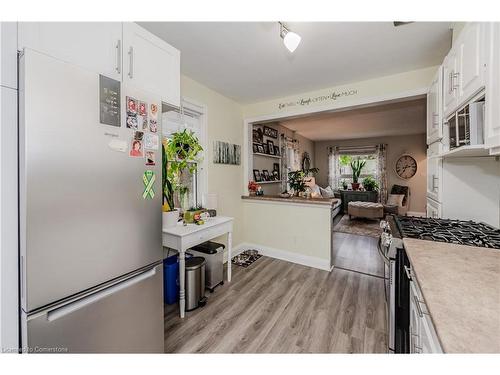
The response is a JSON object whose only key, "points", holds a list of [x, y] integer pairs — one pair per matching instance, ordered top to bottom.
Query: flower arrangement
{"points": [[253, 187]]}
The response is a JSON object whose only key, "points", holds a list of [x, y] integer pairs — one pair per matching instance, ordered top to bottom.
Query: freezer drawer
{"points": [[124, 317]]}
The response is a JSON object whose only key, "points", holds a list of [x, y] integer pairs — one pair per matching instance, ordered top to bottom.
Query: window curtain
{"points": [[290, 160], [333, 168], [382, 172]]}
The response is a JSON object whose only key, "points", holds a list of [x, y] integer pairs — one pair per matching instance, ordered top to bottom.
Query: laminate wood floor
{"points": [[357, 253], [275, 306]]}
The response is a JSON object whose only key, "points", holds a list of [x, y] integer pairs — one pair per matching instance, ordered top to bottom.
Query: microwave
{"points": [[465, 127]]}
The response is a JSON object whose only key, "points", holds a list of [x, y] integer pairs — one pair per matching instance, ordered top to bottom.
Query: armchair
{"points": [[405, 191]]}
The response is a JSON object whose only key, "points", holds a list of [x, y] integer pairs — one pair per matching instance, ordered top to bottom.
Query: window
{"points": [[192, 119], [370, 168]]}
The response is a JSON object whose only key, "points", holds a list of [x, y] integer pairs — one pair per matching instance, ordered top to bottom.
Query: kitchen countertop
{"points": [[333, 202], [461, 288]]}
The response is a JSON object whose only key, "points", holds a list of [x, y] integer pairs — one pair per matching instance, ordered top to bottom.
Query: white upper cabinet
{"points": [[95, 46], [8, 54], [472, 61], [151, 63], [464, 67], [450, 96], [434, 108], [492, 123]]}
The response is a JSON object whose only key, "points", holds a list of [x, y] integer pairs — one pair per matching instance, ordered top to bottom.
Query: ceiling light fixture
{"points": [[290, 39]]}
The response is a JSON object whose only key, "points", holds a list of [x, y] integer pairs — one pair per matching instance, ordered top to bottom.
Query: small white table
{"points": [[183, 237]]}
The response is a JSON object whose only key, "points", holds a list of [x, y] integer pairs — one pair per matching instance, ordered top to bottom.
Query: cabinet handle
{"points": [[119, 56], [131, 60], [453, 77], [450, 83], [435, 116], [434, 178], [408, 272], [419, 308]]}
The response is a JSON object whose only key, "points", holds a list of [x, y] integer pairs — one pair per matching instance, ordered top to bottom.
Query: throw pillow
{"points": [[327, 192], [395, 200]]}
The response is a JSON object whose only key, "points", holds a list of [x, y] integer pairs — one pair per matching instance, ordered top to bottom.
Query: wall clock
{"points": [[406, 167]]}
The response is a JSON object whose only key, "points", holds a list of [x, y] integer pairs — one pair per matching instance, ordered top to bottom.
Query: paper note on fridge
{"points": [[151, 141], [118, 145]]}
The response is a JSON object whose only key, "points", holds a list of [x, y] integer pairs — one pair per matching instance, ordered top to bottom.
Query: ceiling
{"points": [[248, 62], [401, 118]]}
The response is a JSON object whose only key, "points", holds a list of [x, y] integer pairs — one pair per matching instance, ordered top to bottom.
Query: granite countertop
{"points": [[333, 202], [461, 288]]}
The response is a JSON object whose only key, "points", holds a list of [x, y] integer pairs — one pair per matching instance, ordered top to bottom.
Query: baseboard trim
{"points": [[416, 213], [288, 256]]}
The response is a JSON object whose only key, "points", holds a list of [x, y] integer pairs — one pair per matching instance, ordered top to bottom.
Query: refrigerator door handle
{"points": [[71, 307]]}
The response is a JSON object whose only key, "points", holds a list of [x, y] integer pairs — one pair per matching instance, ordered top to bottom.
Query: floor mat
{"points": [[359, 226], [246, 258]]}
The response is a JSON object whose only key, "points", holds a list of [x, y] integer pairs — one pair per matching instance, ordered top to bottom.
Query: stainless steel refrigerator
{"points": [[91, 275]]}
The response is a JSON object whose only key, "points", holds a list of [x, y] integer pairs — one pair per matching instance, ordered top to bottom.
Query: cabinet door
{"points": [[95, 46], [8, 54], [471, 61], [151, 63], [449, 84], [434, 108], [492, 123], [434, 172], [433, 209], [415, 344]]}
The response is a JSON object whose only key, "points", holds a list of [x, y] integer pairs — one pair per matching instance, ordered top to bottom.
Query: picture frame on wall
{"points": [[270, 132], [257, 135], [270, 146], [255, 147], [260, 148], [266, 148], [276, 151], [276, 167], [256, 175], [265, 175], [276, 175]]}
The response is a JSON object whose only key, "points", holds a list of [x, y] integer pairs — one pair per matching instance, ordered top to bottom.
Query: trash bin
{"points": [[214, 269], [170, 280], [195, 283]]}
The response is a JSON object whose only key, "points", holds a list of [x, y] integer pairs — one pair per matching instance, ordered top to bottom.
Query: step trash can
{"points": [[213, 253], [171, 278], [195, 283]]}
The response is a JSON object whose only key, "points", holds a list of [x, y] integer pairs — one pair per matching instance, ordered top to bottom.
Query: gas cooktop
{"points": [[452, 231]]}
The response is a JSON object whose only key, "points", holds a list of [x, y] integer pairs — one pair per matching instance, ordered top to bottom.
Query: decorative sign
{"points": [[318, 99], [109, 101], [227, 153], [148, 179]]}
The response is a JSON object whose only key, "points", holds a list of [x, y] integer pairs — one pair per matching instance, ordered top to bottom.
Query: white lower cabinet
{"points": [[434, 172], [423, 336]]}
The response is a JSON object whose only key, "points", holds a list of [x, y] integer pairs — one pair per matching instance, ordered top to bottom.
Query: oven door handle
{"points": [[381, 252]]}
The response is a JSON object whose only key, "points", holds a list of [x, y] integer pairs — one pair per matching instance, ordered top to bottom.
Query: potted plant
{"points": [[180, 155], [356, 167], [296, 179], [344, 184], [370, 184]]}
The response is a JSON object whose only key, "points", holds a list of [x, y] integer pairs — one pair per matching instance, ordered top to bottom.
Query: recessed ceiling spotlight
{"points": [[291, 40]]}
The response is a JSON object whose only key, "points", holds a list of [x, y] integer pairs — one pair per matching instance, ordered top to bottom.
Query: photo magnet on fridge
{"points": [[131, 105], [143, 109], [131, 120], [138, 135], [151, 141], [136, 150], [150, 158]]}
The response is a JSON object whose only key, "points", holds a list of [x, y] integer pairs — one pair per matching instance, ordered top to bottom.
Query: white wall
{"points": [[224, 123], [8, 188], [471, 189]]}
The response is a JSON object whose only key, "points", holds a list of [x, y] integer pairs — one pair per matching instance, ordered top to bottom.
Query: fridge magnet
{"points": [[109, 101], [131, 105], [143, 109], [153, 111], [131, 120], [142, 122], [153, 126], [138, 135], [151, 141], [118, 145], [136, 149], [150, 158], [148, 179]]}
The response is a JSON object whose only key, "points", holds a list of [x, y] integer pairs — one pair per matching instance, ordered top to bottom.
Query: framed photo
{"points": [[270, 132], [257, 135], [270, 145], [255, 147], [260, 148], [266, 148], [276, 151], [276, 167], [256, 175], [265, 175], [276, 175]]}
